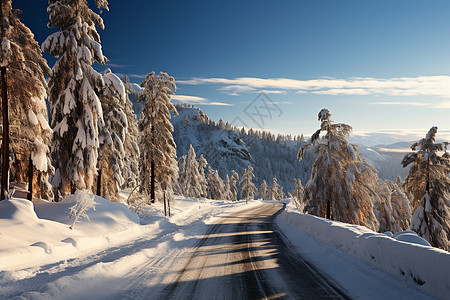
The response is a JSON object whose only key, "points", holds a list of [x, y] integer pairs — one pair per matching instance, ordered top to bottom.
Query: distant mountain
{"points": [[399, 145], [227, 149], [387, 159]]}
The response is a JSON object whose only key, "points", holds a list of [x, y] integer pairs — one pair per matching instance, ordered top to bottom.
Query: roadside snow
{"points": [[36, 233], [350, 252]]}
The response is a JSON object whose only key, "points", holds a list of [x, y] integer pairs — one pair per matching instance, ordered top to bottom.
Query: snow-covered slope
{"points": [[223, 149], [226, 149], [34, 233]]}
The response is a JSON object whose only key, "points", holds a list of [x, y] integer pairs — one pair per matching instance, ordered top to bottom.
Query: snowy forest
{"points": [[104, 134]]}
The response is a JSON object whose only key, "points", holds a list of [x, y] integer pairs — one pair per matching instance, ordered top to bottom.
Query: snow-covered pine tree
{"points": [[74, 90], [133, 91], [29, 133], [112, 137], [131, 144], [158, 154], [202, 163], [190, 177], [342, 184], [428, 184], [233, 185], [215, 188], [177, 189], [248, 189], [226, 190], [262, 190], [274, 190], [281, 194], [297, 194], [392, 208]]}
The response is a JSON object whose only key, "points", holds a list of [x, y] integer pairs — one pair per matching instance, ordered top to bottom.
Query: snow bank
{"points": [[32, 233], [426, 266]]}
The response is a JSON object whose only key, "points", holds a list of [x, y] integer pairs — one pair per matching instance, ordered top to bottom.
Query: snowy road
{"points": [[221, 250], [243, 256]]}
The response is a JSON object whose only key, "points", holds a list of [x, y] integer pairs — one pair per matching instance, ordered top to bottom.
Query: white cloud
{"points": [[401, 86], [272, 92], [197, 100], [444, 104], [405, 134], [376, 137]]}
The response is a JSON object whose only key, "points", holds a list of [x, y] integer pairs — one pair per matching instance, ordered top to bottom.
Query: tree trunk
{"points": [[5, 140], [152, 164], [99, 176], [30, 179], [152, 181], [99, 182], [168, 206], [328, 210], [165, 211]]}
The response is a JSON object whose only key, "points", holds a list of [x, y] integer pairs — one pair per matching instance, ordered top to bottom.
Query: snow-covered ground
{"points": [[38, 250], [114, 251], [369, 265]]}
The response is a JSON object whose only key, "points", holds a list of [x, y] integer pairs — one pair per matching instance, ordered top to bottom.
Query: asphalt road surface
{"points": [[244, 256]]}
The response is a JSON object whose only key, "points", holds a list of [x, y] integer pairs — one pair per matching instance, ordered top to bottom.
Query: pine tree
{"points": [[74, 90], [30, 134], [112, 137], [131, 143], [158, 154], [202, 163], [189, 177], [342, 184], [428, 184], [215, 185], [233, 185], [248, 189], [178, 190], [226, 190], [262, 190], [274, 190], [282, 195], [297, 195], [392, 208]]}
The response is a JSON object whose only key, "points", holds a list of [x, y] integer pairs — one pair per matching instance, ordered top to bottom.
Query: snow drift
{"points": [[34, 232], [426, 266]]}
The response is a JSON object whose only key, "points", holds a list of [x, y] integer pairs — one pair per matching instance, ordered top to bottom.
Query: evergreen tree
{"points": [[74, 90], [30, 134], [112, 137], [131, 143], [158, 154], [202, 163], [181, 164], [190, 176], [342, 184], [428, 184], [215, 185], [233, 185], [248, 189], [262, 190], [274, 190], [227, 191], [282, 195], [297, 195], [392, 208]]}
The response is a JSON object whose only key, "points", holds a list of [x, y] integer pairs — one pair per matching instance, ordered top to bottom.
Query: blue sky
{"points": [[380, 66]]}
